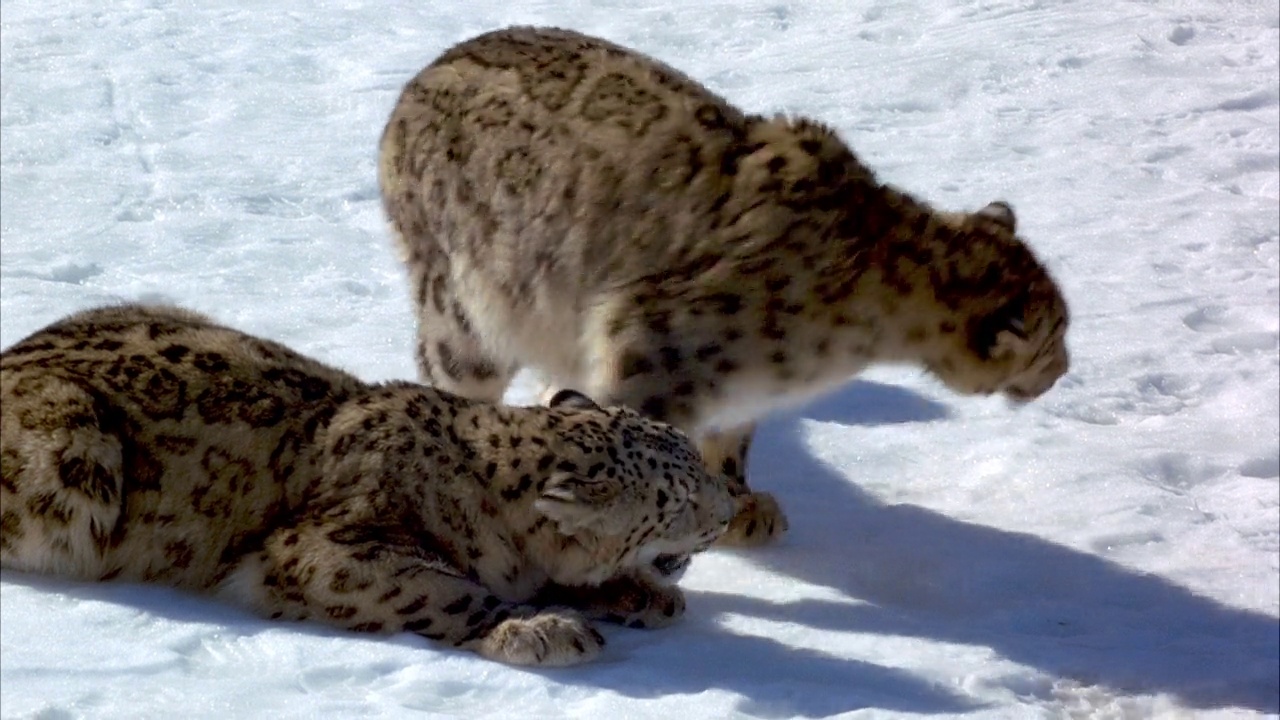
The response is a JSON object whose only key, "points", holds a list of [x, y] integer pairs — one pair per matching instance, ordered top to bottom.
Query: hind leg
{"points": [[449, 353], [455, 362], [60, 478]]}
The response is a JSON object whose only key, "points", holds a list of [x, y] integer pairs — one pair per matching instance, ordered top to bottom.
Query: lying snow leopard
{"points": [[570, 205], [150, 444]]}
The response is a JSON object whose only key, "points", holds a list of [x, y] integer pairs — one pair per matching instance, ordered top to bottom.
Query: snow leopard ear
{"points": [[1000, 213], [572, 399], [578, 503]]}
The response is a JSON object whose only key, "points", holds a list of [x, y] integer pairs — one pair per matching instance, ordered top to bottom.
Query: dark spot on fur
{"points": [[730, 160], [777, 283], [726, 303], [659, 321], [708, 351], [175, 353], [670, 358], [446, 361], [211, 362], [633, 364], [726, 366], [310, 387], [229, 399], [655, 407], [175, 444], [10, 465], [730, 467], [92, 479], [519, 489], [663, 498], [50, 507], [10, 526], [179, 553], [341, 581], [415, 606], [459, 606], [341, 612], [420, 625]]}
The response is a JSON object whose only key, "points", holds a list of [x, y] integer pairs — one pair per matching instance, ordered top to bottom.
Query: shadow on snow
{"points": [[1062, 611]]}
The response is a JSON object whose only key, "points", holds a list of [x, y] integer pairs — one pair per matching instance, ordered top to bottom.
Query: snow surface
{"points": [[1111, 551]]}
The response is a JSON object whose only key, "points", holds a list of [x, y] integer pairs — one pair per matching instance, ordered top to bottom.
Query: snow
{"points": [[1110, 551]]}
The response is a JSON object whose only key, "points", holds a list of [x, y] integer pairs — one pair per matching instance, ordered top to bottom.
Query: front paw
{"points": [[759, 520], [636, 603], [548, 639]]}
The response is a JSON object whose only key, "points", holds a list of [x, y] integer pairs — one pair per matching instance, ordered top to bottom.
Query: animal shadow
{"points": [[863, 402], [923, 574], [771, 678], [779, 681]]}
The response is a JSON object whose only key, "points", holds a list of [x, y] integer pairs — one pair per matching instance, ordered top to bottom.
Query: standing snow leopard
{"points": [[573, 206]]}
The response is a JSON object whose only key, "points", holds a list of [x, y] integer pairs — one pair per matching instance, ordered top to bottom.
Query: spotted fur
{"points": [[567, 204], [151, 444]]}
